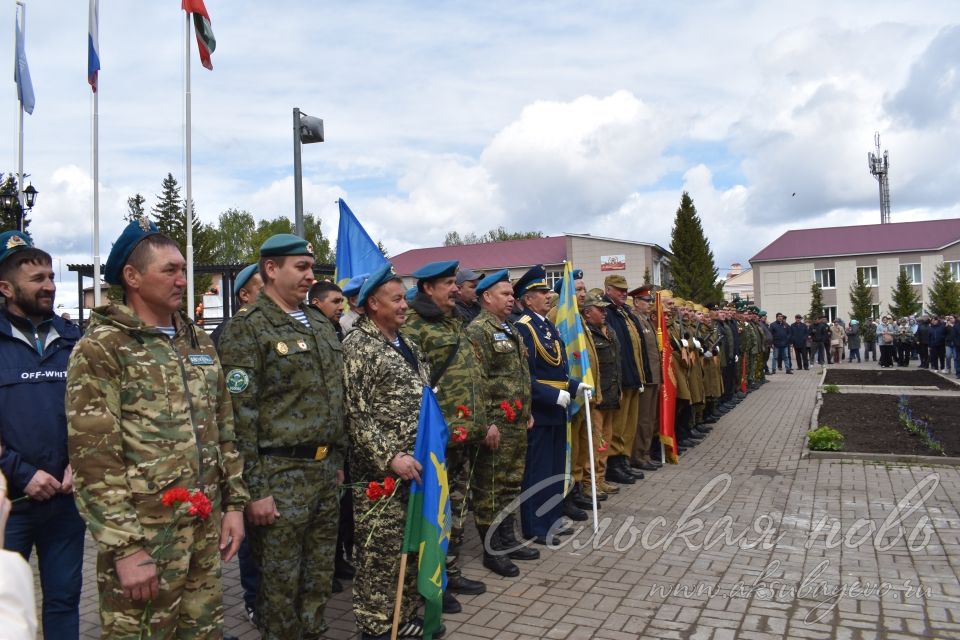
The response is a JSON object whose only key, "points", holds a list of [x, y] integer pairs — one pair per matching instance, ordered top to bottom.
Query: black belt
{"points": [[318, 452]]}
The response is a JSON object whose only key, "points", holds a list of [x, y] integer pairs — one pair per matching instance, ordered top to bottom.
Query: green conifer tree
{"points": [[9, 218], [693, 268], [945, 292], [861, 299], [906, 301], [816, 302]]}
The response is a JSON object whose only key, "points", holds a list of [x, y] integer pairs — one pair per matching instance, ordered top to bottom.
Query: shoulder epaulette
{"points": [[524, 320]]}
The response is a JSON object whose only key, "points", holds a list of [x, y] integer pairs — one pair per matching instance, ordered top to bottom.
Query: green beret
{"points": [[138, 229], [13, 241], [285, 244], [244, 277]]}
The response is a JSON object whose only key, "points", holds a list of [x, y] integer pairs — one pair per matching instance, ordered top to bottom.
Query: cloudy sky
{"points": [[586, 117]]}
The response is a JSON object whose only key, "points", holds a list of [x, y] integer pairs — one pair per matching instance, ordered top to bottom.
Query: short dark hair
{"points": [[29, 255], [140, 256], [262, 265], [321, 288]]}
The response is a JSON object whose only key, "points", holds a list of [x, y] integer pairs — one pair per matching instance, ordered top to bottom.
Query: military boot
{"points": [[508, 539], [499, 563]]}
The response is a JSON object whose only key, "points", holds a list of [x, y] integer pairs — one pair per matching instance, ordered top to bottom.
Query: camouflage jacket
{"points": [[440, 338], [505, 372], [286, 380], [382, 400], [146, 413]]}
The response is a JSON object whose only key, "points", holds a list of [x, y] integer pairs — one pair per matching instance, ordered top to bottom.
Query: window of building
{"points": [[955, 270], [657, 272], [914, 274], [869, 276], [553, 277], [826, 278], [875, 311], [830, 312]]}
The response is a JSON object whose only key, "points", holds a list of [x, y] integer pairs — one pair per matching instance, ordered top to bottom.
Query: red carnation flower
{"points": [[517, 404], [463, 411], [459, 434], [389, 486], [374, 491], [175, 496], [200, 505]]}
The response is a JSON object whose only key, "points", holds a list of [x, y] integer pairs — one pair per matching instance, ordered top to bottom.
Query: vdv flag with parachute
{"points": [[21, 73], [356, 252], [570, 325], [428, 512]]}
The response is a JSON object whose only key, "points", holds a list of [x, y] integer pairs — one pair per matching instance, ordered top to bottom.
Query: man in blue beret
{"points": [[350, 291], [433, 323], [35, 345], [284, 374], [552, 389], [148, 412], [501, 454]]}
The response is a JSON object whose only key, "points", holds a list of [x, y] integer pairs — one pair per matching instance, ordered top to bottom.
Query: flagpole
{"points": [[23, 34], [96, 199], [189, 208], [593, 472], [396, 606]]}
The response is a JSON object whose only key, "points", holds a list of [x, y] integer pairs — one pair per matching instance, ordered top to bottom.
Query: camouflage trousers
{"points": [[460, 460], [499, 474], [378, 538], [295, 554], [190, 603]]}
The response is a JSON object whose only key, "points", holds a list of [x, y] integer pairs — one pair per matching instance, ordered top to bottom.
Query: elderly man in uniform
{"points": [[432, 322], [35, 345], [285, 374], [384, 375], [551, 391], [505, 393], [149, 417], [647, 430]]}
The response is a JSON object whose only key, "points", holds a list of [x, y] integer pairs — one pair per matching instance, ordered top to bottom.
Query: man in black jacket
{"points": [[780, 332], [798, 339], [821, 340]]}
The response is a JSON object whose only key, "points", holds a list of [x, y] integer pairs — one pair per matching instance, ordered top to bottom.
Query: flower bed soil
{"points": [[895, 378], [870, 422]]}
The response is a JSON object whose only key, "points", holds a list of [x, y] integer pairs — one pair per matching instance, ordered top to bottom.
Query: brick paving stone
{"points": [[614, 587]]}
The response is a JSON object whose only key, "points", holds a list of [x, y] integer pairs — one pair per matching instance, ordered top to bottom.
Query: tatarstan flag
{"points": [[206, 43]]}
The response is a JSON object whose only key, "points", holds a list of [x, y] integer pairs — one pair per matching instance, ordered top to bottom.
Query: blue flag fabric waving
{"points": [[21, 73], [356, 252], [570, 326], [428, 512]]}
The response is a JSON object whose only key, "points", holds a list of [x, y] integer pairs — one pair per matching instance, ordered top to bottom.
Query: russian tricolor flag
{"points": [[93, 45]]}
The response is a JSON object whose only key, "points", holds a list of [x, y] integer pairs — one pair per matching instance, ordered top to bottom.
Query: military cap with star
{"points": [[138, 229], [13, 241], [285, 244], [441, 269], [244, 277], [491, 279], [535, 279], [376, 280], [353, 285], [644, 292]]}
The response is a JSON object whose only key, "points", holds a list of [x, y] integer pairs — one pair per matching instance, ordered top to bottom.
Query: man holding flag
{"points": [[385, 377]]}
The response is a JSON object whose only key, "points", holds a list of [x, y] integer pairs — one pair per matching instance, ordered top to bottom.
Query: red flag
{"points": [[206, 43], [743, 374], [668, 389]]}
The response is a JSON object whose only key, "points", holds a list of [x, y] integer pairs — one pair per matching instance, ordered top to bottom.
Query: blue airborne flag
{"points": [[21, 74], [356, 252], [428, 513]]}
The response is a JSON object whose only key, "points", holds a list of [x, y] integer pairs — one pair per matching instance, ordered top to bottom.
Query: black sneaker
{"points": [[251, 614]]}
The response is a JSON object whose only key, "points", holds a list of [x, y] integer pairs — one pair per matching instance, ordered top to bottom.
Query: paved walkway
{"points": [[818, 577]]}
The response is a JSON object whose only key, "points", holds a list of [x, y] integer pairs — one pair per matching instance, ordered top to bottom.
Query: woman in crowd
{"points": [[886, 337], [837, 339], [937, 339], [853, 341], [905, 342]]}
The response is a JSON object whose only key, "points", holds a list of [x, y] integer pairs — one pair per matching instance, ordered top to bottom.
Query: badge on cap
{"points": [[144, 224], [15, 241], [310, 247], [282, 348]]}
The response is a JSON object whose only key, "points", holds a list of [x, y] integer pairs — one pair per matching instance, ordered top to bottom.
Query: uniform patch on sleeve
{"points": [[237, 381]]}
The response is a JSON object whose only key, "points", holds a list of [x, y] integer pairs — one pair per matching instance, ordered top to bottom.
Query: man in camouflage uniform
{"points": [[436, 327], [285, 374], [384, 375], [148, 411], [498, 472]]}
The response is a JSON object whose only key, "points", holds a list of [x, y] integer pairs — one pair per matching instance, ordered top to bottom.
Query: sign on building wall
{"points": [[613, 263]]}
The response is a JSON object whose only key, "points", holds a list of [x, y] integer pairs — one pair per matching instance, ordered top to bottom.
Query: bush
{"points": [[831, 388], [825, 439]]}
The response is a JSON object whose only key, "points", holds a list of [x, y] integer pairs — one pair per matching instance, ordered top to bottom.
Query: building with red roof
{"points": [[597, 256], [785, 270]]}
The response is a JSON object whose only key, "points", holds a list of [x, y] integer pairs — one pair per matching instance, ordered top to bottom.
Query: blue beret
{"points": [[137, 230], [13, 241], [285, 244], [442, 269], [578, 274], [244, 276], [377, 279], [491, 279], [535, 279], [353, 285], [557, 286], [410, 294]]}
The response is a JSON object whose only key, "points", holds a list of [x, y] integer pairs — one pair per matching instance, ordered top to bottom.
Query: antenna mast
{"points": [[879, 168]]}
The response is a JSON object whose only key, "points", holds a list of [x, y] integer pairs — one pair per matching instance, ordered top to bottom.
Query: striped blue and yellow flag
{"points": [[356, 252], [570, 326], [427, 532]]}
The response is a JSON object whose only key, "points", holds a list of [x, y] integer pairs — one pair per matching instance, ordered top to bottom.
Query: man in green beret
{"points": [[284, 372], [148, 412]]}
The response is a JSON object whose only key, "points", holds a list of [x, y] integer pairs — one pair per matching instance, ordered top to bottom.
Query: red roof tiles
{"points": [[898, 237], [490, 255]]}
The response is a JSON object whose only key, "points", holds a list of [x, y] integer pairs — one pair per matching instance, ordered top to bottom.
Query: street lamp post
{"points": [[306, 130]]}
